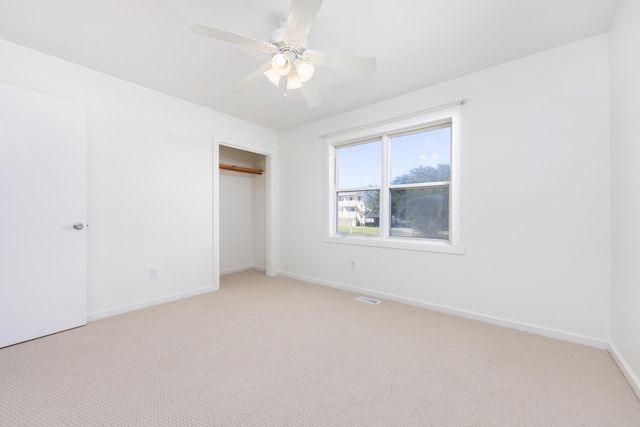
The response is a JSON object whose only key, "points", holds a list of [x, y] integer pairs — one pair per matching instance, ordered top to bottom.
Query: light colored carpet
{"points": [[279, 352]]}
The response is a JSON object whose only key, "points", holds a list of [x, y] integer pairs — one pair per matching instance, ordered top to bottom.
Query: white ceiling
{"points": [[417, 43]]}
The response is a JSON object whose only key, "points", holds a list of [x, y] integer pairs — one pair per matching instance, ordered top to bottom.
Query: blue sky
{"points": [[360, 165]]}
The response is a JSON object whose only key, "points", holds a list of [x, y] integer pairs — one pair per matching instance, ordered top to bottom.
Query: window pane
{"points": [[423, 156], [360, 165], [358, 212], [420, 212]]}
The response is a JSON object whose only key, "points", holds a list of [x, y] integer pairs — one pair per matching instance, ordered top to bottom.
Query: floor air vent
{"points": [[368, 300]]}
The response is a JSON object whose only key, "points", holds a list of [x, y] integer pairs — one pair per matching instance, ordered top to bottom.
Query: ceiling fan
{"points": [[290, 57]]}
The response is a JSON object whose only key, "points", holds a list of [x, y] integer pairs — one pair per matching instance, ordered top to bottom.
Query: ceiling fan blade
{"points": [[301, 17], [217, 33], [343, 61], [252, 78], [311, 95]]}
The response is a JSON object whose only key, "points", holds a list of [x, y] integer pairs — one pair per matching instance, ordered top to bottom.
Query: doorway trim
{"points": [[271, 206]]}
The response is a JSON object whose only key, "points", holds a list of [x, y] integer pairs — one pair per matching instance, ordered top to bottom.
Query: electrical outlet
{"points": [[353, 266], [153, 273]]}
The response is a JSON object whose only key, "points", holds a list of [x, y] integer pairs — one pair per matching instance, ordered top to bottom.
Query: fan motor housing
{"points": [[278, 38]]}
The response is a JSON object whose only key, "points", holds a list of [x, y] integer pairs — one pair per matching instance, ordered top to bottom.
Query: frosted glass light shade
{"points": [[280, 64], [304, 70], [272, 76], [293, 81]]}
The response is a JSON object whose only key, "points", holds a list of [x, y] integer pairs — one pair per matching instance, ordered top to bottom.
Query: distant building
{"points": [[352, 210]]}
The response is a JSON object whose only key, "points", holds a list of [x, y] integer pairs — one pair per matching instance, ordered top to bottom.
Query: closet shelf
{"points": [[241, 169]]}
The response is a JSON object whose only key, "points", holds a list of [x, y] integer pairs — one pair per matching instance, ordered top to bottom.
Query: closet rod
{"points": [[241, 169]]}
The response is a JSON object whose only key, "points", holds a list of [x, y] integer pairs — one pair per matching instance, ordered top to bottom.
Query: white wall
{"points": [[625, 156], [150, 180], [259, 198], [535, 200], [242, 212]]}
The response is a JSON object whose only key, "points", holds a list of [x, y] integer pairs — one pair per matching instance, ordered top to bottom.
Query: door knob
{"points": [[78, 226]]}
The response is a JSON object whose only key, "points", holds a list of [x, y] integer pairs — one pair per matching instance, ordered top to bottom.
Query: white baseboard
{"points": [[239, 269], [148, 303], [538, 330], [628, 373]]}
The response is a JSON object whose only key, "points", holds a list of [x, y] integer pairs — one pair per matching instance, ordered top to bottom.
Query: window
{"points": [[397, 184]]}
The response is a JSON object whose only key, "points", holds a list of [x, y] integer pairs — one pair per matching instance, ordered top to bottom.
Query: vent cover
{"points": [[368, 300]]}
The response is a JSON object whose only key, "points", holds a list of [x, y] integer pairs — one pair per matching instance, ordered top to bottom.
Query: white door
{"points": [[43, 192]]}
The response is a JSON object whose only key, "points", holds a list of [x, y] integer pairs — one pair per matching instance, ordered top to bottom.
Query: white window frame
{"points": [[408, 123]]}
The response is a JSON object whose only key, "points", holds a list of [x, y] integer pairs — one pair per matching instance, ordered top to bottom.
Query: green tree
{"points": [[442, 172], [372, 202], [414, 208], [422, 210]]}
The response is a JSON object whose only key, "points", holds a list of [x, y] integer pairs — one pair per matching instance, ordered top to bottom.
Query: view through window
{"points": [[397, 185]]}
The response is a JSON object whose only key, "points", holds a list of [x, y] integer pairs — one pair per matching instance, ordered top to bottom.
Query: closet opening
{"points": [[243, 206]]}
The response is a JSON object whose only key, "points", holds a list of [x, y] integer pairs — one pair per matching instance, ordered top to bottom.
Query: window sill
{"points": [[394, 243]]}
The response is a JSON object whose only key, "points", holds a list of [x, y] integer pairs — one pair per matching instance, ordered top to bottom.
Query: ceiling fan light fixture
{"points": [[290, 58], [280, 64], [304, 69], [273, 76], [293, 81]]}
